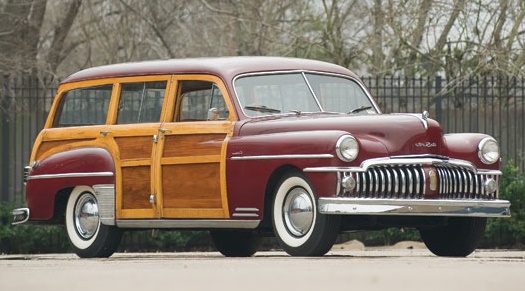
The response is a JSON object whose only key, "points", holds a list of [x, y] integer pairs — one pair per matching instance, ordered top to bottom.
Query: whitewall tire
{"points": [[298, 226], [89, 238]]}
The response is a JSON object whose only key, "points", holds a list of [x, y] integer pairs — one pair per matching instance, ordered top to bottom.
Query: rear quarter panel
{"points": [[45, 179]]}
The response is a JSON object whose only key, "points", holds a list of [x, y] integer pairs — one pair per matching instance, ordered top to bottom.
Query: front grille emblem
{"points": [[433, 180]]}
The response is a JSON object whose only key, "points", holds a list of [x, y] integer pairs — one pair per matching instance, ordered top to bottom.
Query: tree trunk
{"points": [[20, 23]]}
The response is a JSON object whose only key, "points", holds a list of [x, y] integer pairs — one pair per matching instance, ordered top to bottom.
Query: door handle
{"points": [[164, 130], [104, 132]]}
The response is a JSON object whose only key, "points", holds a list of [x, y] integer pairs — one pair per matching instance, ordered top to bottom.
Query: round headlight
{"points": [[347, 148], [488, 151]]}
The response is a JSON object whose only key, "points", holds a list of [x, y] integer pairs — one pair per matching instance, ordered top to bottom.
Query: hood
{"points": [[400, 134]]}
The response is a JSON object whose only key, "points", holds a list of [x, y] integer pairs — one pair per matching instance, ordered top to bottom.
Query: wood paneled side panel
{"points": [[193, 145], [135, 147], [191, 186], [136, 187]]}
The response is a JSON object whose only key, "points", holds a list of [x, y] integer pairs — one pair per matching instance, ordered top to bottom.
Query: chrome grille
{"points": [[402, 182], [410, 182], [459, 183]]}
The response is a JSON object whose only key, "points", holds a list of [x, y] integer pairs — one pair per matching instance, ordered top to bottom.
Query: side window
{"points": [[201, 101], [141, 102], [84, 106]]}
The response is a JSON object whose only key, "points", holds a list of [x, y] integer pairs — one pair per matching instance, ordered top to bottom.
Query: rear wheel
{"points": [[300, 229], [87, 235], [459, 238], [235, 243]]}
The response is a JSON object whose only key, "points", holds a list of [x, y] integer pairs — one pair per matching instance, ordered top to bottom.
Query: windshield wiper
{"points": [[262, 108], [359, 109]]}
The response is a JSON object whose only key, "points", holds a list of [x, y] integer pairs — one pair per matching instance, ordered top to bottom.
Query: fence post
{"points": [[438, 98], [4, 138]]}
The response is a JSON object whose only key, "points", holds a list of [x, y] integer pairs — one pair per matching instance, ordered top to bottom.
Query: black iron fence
{"points": [[491, 105]]}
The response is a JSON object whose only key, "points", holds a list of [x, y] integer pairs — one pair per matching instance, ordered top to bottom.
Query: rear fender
{"points": [[62, 172]]}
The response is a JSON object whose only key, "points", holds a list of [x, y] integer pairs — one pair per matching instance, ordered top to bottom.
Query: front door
{"points": [[191, 150]]}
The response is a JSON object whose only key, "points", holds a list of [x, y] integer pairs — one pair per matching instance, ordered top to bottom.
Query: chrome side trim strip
{"points": [[273, 157], [424, 161], [71, 175], [105, 195], [415, 207], [247, 209], [246, 212], [245, 215], [193, 223]]}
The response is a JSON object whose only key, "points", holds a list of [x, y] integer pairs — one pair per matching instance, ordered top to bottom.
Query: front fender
{"points": [[464, 146], [251, 161], [83, 166]]}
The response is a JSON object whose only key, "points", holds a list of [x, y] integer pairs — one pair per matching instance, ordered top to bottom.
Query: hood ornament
{"points": [[424, 117]]}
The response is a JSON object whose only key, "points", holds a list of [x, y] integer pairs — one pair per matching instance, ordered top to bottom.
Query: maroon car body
{"points": [[244, 146]]}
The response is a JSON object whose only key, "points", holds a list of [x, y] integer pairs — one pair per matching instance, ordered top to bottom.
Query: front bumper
{"points": [[414, 207], [20, 215]]}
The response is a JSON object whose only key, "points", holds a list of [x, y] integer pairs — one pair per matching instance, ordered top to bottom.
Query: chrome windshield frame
{"points": [[303, 73]]}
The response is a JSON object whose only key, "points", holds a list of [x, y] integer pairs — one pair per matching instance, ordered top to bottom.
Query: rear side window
{"points": [[141, 102], [84, 106]]}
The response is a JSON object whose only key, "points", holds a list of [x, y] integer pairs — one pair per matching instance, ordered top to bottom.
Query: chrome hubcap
{"points": [[298, 212], [86, 216]]}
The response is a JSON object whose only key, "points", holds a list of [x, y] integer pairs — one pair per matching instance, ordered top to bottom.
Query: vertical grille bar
{"points": [[383, 181], [390, 181], [410, 183]]}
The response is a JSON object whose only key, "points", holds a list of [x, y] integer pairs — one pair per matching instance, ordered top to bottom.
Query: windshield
{"points": [[301, 92]]}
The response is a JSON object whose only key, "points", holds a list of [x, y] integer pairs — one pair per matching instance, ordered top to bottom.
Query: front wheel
{"points": [[300, 229], [89, 238], [459, 238]]}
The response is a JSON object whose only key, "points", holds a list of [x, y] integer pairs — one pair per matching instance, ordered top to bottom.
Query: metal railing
{"points": [[484, 104]]}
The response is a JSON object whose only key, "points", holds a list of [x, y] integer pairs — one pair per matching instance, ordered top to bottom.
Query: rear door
{"points": [[133, 133]]}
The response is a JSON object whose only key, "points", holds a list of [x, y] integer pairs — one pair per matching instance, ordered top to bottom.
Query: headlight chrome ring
{"points": [[347, 148], [488, 151]]}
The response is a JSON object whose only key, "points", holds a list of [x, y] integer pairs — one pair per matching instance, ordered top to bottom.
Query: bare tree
{"points": [[20, 23], [257, 27], [22, 36], [396, 37]]}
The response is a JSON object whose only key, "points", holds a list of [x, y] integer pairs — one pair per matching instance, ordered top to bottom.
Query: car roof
{"points": [[225, 67]]}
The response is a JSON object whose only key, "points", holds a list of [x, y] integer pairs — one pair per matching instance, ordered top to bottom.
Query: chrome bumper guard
{"points": [[414, 207], [20, 215]]}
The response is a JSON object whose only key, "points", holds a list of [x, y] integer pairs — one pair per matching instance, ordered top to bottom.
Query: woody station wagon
{"points": [[249, 146]]}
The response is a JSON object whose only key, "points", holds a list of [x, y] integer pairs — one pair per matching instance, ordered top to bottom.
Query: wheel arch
{"points": [[52, 179], [272, 183], [60, 204]]}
